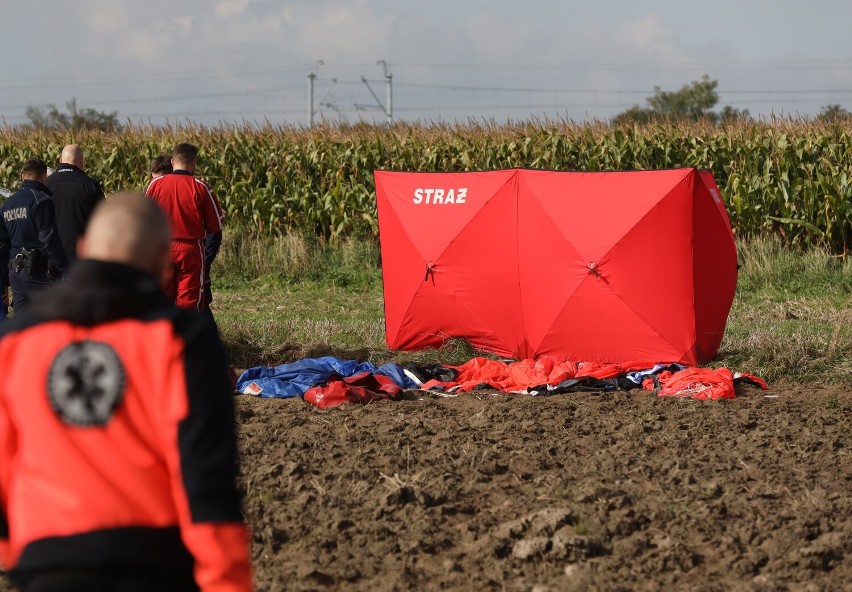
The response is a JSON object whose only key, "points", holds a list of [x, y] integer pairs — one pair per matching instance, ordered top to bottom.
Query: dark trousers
{"points": [[23, 287], [106, 581]]}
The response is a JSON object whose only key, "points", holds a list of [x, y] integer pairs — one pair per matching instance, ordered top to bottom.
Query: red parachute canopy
{"points": [[603, 267]]}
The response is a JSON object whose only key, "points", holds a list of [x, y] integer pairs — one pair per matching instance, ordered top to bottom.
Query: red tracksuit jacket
{"points": [[191, 206], [193, 212], [117, 442]]}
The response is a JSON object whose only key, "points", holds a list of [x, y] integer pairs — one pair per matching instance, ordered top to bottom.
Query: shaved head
{"points": [[72, 154], [128, 228]]}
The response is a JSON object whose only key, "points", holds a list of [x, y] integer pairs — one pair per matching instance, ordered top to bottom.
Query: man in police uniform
{"points": [[75, 195], [31, 254], [118, 468]]}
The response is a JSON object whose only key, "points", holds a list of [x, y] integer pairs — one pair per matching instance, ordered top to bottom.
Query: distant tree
{"points": [[693, 101], [729, 113], [833, 113], [636, 114], [50, 117]]}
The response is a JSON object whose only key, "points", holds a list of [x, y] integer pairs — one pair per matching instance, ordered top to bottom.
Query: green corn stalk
{"points": [[782, 177]]}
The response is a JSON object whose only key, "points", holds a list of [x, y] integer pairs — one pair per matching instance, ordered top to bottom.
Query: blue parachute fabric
{"points": [[396, 373], [293, 379]]}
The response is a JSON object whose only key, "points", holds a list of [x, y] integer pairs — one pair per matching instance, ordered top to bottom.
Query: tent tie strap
{"points": [[430, 268], [593, 269]]}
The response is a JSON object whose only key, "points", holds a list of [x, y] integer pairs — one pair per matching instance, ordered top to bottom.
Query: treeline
{"points": [[783, 177]]}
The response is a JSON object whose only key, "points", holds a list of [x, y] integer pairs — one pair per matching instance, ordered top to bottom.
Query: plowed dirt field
{"points": [[616, 491]]}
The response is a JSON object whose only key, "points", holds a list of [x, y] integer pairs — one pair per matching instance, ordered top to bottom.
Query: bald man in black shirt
{"points": [[75, 195]]}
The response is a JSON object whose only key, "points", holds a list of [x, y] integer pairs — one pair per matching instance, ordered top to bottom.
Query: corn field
{"points": [[789, 178]]}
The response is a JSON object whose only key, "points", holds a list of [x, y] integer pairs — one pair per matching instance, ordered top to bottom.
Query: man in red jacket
{"points": [[193, 212], [118, 455]]}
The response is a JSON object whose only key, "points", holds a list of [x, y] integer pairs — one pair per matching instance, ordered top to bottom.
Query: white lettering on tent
{"points": [[715, 195], [440, 196]]}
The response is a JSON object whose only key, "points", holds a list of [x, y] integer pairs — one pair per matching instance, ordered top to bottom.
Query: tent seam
{"points": [[472, 218], [633, 310], [526, 339]]}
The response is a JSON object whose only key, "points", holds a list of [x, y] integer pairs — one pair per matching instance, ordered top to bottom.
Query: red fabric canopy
{"points": [[604, 267]]}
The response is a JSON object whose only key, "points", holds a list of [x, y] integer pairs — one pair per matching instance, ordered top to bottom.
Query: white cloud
{"points": [[228, 8], [107, 18], [184, 22], [348, 29], [310, 30], [647, 36], [497, 39], [141, 46], [610, 49]]}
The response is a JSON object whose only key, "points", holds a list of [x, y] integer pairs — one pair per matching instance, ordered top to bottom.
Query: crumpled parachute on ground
{"points": [[330, 381]]}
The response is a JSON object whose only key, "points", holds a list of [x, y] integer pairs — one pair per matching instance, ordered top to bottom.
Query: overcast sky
{"points": [[229, 60]]}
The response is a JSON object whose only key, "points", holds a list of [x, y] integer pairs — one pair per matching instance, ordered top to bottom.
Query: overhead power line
{"points": [[774, 65], [136, 77], [110, 79], [527, 89], [237, 93], [346, 94]]}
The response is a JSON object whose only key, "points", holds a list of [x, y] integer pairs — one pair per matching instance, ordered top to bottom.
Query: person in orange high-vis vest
{"points": [[194, 212], [118, 455]]}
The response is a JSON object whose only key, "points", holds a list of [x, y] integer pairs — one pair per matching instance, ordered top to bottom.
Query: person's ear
{"points": [[81, 247]]}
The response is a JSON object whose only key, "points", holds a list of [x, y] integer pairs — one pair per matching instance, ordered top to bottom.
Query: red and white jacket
{"points": [[191, 206], [117, 440]]}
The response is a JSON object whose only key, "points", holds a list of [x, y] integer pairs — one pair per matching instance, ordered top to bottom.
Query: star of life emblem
{"points": [[85, 383]]}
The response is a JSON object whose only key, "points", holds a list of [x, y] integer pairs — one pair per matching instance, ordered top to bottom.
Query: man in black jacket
{"points": [[75, 195], [31, 254]]}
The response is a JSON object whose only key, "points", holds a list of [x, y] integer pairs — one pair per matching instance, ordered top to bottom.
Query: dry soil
{"points": [[616, 491]]}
